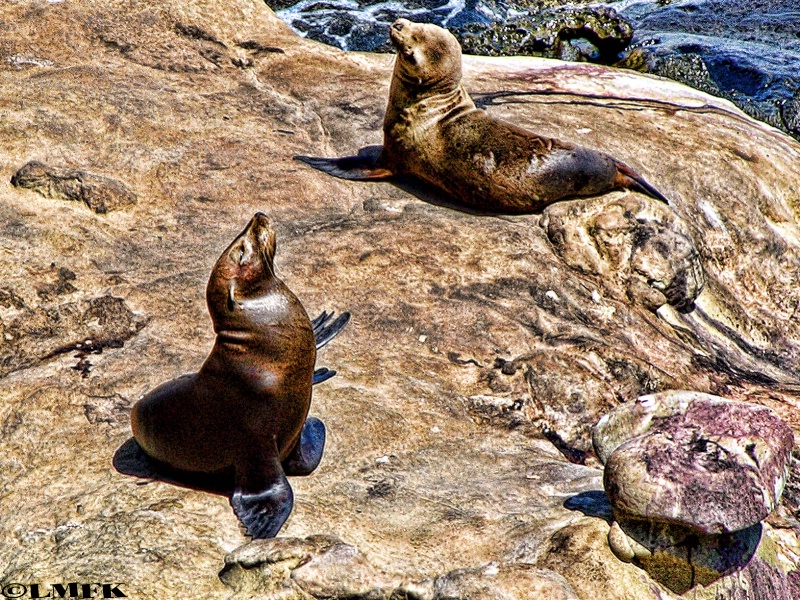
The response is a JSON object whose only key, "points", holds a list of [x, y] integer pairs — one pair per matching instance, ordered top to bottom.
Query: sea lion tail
{"points": [[629, 179], [324, 330]]}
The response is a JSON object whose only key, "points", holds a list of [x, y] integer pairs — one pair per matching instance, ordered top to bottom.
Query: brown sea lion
{"points": [[433, 132], [244, 413]]}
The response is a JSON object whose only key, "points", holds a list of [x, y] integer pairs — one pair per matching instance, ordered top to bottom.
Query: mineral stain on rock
{"points": [[99, 193], [86, 327]]}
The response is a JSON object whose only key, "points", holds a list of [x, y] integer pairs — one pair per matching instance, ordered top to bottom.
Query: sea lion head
{"points": [[428, 56], [243, 272]]}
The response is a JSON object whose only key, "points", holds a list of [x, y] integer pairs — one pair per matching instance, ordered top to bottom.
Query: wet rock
{"points": [[596, 34], [740, 51], [790, 112], [101, 194], [633, 243]]}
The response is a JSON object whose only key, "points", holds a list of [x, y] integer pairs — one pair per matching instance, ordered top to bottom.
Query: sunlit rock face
{"points": [[472, 338], [690, 477]]}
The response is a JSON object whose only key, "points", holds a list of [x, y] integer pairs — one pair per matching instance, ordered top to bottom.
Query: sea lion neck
{"points": [[424, 110], [243, 280], [251, 309]]}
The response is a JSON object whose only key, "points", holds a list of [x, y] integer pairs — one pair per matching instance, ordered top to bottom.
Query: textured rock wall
{"points": [[478, 348]]}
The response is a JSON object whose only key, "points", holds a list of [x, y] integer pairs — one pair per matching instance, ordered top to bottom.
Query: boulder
{"points": [[480, 351], [695, 459], [690, 477]]}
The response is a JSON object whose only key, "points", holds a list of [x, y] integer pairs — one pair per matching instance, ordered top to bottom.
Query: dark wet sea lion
{"points": [[434, 132], [244, 413]]}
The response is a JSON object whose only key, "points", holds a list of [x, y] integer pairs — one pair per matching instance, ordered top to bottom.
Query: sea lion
{"points": [[434, 132], [244, 413]]}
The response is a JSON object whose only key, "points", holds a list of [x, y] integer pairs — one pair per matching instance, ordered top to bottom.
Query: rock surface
{"points": [[99, 193], [471, 336], [694, 459], [690, 477]]}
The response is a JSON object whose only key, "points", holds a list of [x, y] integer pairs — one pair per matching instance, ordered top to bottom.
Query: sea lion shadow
{"points": [[362, 166], [130, 459], [593, 503]]}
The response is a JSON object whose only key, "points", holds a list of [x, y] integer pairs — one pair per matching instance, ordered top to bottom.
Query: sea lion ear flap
{"points": [[233, 304]]}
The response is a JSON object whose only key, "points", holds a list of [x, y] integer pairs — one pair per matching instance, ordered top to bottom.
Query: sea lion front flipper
{"points": [[362, 167], [324, 331], [322, 374], [307, 454], [130, 459], [262, 498]]}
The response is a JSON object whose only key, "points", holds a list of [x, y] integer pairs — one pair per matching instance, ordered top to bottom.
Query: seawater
{"points": [[750, 48]]}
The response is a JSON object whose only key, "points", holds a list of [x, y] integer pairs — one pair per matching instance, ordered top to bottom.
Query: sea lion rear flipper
{"points": [[363, 167], [630, 179], [324, 331], [307, 454], [262, 500]]}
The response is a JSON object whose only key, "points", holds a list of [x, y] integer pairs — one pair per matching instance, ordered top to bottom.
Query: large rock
{"points": [[471, 336], [713, 465], [690, 477]]}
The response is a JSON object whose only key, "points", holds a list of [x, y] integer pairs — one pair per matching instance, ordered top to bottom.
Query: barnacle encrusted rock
{"points": [[711, 464]]}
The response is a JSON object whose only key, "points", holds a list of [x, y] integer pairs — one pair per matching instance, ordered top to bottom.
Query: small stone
{"points": [[99, 193]]}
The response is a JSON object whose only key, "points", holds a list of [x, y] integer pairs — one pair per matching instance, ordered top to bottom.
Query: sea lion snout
{"points": [[398, 36], [261, 235], [254, 247]]}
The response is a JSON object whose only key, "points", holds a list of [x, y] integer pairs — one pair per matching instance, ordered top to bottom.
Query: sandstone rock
{"points": [[198, 107], [99, 193], [634, 245], [38, 335], [694, 459], [316, 567], [769, 572], [501, 582]]}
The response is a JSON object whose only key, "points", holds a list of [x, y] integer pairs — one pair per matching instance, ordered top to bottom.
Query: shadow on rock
{"points": [[130, 459], [593, 503]]}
